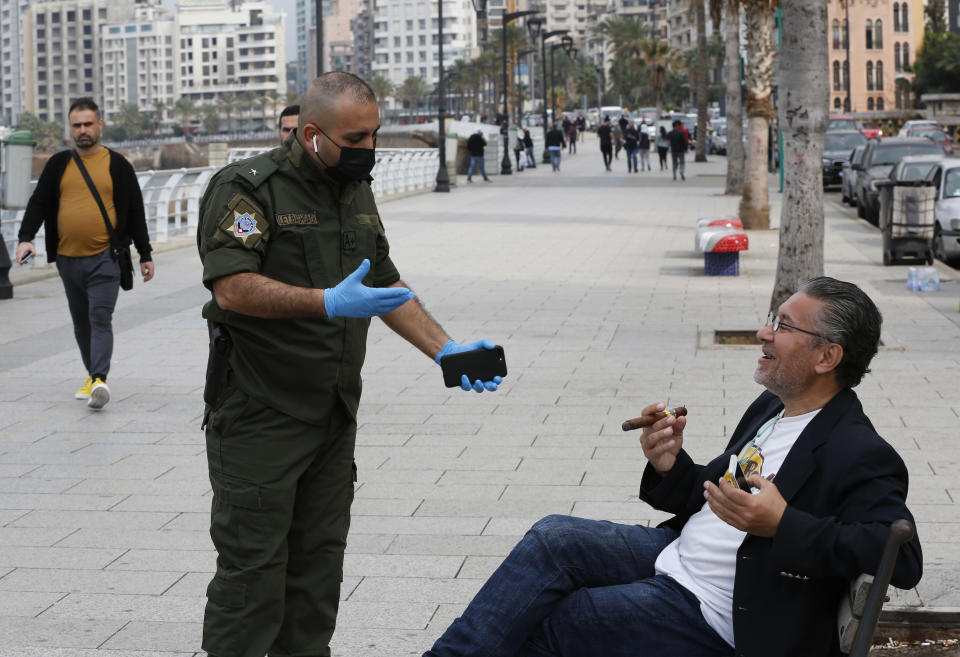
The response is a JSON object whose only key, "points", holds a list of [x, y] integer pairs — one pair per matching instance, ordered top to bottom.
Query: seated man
{"points": [[732, 573]]}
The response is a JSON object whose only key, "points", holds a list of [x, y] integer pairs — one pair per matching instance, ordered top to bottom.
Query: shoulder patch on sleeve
{"points": [[256, 170], [244, 222]]}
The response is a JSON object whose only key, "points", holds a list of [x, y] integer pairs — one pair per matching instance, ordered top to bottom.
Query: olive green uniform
{"points": [[280, 445]]}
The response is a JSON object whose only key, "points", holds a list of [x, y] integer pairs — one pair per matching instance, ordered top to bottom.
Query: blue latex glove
{"points": [[351, 298], [452, 347]]}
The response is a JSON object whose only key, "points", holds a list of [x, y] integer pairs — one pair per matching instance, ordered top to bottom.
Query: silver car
{"points": [[848, 187], [946, 233]]}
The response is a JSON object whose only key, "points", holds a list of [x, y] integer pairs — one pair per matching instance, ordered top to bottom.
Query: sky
{"points": [[289, 6]]}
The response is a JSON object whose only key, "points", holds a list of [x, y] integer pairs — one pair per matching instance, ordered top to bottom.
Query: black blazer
{"points": [[44, 204], [844, 486]]}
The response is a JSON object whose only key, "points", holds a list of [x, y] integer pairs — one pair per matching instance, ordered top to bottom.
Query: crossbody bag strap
{"points": [[96, 197]]}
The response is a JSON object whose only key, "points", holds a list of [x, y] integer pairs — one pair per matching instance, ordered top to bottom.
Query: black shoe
{"points": [[682, 177]]}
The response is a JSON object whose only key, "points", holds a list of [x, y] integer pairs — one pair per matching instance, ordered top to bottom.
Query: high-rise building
{"points": [[953, 16], [362, 28], [338, 37], [405, 38], [872, 47], [231, 50], [11, 63], [138, 63]]}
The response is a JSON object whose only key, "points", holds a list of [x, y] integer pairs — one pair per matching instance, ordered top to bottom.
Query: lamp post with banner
{"points": [[534, 26], [505, 168], [443, 178]]}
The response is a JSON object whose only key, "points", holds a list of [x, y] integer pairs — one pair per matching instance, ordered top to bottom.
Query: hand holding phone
{"points": [[476, 365]]}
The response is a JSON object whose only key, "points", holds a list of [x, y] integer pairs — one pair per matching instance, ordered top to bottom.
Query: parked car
{"points": [[850, 123], [908, 125], [936, 134], [719, 142], [837, 146], [879, 158], [945, 175], [848, 188]]}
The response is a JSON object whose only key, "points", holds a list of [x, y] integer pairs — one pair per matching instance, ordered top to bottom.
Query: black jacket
{"points": [[604, 132], [555, 138], [631, 138], [527, 139], [644, 140], [678, 141], [476, 144], [44, 204], [844, 486]]}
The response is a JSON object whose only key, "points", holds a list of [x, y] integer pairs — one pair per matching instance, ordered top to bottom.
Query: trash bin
{"points": [[16, 164], [906, 220]]}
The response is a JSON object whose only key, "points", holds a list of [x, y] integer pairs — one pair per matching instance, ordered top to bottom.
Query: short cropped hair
{"points": [[324, 91], [85, 103], [289, 110], [849, 318]]}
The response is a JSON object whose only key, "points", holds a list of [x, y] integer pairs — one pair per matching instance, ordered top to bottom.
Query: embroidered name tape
{"points": [[297, 219]]}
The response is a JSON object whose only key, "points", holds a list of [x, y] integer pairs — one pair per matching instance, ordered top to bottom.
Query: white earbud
{"points": [[315, 149]]}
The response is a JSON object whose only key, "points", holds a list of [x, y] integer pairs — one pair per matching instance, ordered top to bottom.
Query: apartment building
{"points": [[405, 37], [231, 47], [872, 47], [62, 54], [11, 62], [139, 66]]}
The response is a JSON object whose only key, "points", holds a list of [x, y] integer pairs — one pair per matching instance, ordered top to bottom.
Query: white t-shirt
{"points": [[704, 558]]}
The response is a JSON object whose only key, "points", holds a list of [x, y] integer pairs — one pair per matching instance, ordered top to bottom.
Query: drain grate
{"points": [[736, 337]]}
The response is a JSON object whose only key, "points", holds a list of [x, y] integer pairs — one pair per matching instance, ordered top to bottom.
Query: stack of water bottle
{"points": [[923, 279]]}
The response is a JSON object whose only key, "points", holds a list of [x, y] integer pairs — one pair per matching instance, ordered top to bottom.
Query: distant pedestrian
{"points": [[287, 122], [623, 122], [581, 125], [605, 133], [572, 137], [617, 141], [631, 142], [528, 145], [555, 145], [663, 145], [475, 146], [644, 146], [678, 149], [520, 154], [89, 201]]}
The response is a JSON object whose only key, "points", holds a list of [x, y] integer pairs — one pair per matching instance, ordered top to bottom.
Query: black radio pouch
{"points": [[217, 388]]}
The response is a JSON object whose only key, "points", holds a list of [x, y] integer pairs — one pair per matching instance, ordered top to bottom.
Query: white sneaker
{"points": [[99, 395]]}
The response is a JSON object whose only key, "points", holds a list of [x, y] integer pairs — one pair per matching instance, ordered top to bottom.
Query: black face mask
{"points": [[355, 163]]}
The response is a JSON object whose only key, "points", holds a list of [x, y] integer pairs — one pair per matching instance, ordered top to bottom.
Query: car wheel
{"points": [[843, 195], [861, 211], [938, 250], [887, 258]]}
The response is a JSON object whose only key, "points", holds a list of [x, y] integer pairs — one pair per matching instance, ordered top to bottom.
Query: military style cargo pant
{"points": [[282, 491]]}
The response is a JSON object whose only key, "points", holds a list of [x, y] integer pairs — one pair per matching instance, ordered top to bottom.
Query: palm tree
{"points": [[731, 12], [628, 38], [761, 57], [659, 58], [702, 75], [382, 89], [414, 90], [272, 98], [291, 98], [246, 101], [227, 102], [158, 108], [185, 110], [804, 111], [211, 119]]}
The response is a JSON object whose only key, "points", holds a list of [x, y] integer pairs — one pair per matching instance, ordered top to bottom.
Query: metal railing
{"points": [[171, 198]]}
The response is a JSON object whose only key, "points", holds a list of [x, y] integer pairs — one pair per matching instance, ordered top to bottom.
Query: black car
{"points": [[837, 146], [879, 158]]}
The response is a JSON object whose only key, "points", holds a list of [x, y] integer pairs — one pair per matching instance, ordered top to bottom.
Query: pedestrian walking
{"points": [[623, 122], [581, 125], [605, 134], [572, 138], [617, 141], [631, 142], [475, 145], [528, 145], [555, 145], [644, 146], [663, 146], [678, 149], [520, 154], [88, 199], [297, 260]]}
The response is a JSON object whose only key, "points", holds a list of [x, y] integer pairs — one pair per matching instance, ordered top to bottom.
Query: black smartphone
{"points": [[26, 258], [482, 364]]}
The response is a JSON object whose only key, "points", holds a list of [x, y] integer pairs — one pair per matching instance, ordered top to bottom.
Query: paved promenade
{"points": [[590, 282]]}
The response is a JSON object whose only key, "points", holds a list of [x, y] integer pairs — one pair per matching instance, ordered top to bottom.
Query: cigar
{"points": [[647, 420]]}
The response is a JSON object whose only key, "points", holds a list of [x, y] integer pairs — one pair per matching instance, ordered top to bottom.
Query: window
{"points": [[87, 14], [71, 16], [896, 16], [55, 17], [904, 18], [409, 23], [423, 23], [836, 34], [846, 34], [869, 34], [878, 35], [906, 56], [897, 62], [878, 74], [870, 76], [846, 79], [837, 86], [836, 103], [880, 103], [870, 104]]}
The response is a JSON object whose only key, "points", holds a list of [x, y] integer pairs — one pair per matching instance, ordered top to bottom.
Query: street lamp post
{"points": [[319, 5], [534, 25], [567, 44], [520, 56], [505, 168], [443, 178]]}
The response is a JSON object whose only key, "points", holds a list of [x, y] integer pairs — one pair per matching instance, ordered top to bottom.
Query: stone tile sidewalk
{"points": [[590, 282]]}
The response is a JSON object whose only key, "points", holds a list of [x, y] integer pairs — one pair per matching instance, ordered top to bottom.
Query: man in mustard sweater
{"points": [[77, 238]]}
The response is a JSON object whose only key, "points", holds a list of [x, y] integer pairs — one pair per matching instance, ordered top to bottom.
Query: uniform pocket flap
{"points": [[235, 492], [232, 595]]}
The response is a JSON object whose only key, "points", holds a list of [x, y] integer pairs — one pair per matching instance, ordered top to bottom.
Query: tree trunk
{"points": [[761, 56], [702, 78], [734, 104], [804, 109]]}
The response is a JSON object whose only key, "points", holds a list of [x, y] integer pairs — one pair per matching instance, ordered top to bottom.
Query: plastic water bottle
{"points": [[929, 279], [913, 283]]}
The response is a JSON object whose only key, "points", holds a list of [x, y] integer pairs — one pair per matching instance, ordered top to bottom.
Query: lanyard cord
{"points": [[764, 432]]}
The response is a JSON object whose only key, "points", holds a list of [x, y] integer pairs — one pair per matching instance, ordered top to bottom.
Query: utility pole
{"points": [[319, 4]]}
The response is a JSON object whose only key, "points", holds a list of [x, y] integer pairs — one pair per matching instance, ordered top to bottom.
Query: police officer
{"points": [[296, 256]]}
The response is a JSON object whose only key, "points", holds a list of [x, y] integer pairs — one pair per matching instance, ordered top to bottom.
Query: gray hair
{"points": [[849, 318]]}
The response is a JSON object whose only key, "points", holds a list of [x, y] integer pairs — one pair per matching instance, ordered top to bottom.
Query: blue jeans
{"points": [[555, 153], [531, 158], [631, 159], [474, 162], [582, 588]]}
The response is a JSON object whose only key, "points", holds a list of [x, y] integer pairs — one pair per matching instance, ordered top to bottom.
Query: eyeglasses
{"points": [[773, 318]]}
